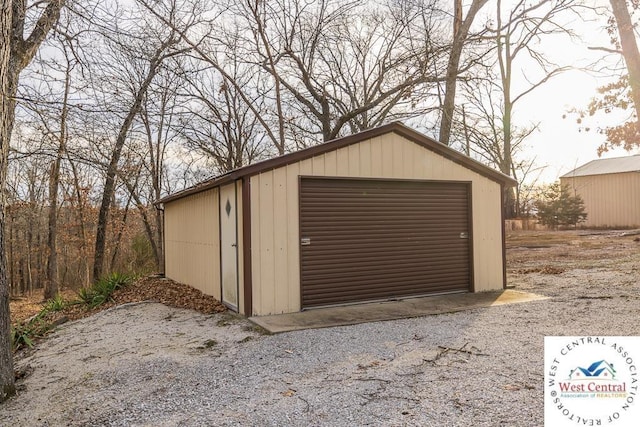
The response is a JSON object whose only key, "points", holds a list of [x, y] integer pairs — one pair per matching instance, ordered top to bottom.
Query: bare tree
{"points": [[461, 28], [514, 36], [167, 45], [16, 52], [343, 63], [334, 67], [159, 116], [219, 124], [481, 126], [144, 166], [112, 169], [26, 194], [51, 286]]}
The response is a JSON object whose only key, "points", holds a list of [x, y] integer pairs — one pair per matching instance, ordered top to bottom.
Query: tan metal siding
{"points": [[387, 156], [611, 200], [377, 239], [192, 243]]}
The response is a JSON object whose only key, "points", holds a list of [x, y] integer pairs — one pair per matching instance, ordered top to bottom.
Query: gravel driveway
{"points": [[150, 365]]}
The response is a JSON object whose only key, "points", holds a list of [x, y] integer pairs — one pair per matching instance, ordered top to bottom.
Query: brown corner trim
{"points": [[504, 240], [163, 242], [246, 246], [472, 251]]}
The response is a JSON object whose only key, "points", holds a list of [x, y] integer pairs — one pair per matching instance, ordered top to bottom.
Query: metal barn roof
{"points": [[607, 166]]}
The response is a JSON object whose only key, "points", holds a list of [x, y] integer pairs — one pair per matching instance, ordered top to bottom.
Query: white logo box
{"points": [[592, 381]]}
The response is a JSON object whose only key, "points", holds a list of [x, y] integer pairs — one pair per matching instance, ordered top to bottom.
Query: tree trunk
{"points": [[460, 35], [629, 50], [15, 53], [505, 62], [280, 145], [112, 169], [509, 196], [80, 214], [146, 222], [123, 225], [10, 243], [51, 279], [51, 287], [7, 379]]}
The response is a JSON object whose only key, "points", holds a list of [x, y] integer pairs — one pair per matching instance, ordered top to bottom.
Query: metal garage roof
{"points": [[607, 166]]}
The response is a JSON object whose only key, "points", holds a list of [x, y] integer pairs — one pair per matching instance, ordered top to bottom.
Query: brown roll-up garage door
{"points": [[376, 239]]}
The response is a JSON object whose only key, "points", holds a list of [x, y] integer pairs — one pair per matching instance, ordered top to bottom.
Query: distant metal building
{"points": [[610, 189], [387, 213]]}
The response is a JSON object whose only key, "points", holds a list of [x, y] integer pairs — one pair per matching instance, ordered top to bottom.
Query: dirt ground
{"points": [[553, 252]]}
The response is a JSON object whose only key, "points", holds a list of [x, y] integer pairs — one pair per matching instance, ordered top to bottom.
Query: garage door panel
{"points": [[391, 210], [372, 239], [373, 245], [340, 258], [392, 261], [382, 270], [404, 281], [359, 287], [355, 295]]}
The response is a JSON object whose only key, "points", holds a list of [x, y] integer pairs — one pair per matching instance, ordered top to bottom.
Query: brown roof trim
{"points": [[335, 144]]}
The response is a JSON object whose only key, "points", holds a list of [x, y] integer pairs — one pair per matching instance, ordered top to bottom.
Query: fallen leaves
{"points": [[157, 289], [168, 292]]}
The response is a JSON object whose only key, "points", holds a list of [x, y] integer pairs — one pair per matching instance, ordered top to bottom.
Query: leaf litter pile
{"points": [[152, 288]]}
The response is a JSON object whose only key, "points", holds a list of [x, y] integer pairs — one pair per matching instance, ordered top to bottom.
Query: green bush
{"points": [[558, 207], [100, 292], [55, 304], [23, 334]]}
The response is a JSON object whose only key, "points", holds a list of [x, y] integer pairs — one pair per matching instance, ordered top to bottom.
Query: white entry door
{"points": [[229, 246]]}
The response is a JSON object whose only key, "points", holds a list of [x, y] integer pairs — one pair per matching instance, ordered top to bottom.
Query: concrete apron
{"points": [[389, 310]]}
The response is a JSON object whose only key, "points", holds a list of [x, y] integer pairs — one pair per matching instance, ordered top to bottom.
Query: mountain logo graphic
{"points": [[597, 370]]}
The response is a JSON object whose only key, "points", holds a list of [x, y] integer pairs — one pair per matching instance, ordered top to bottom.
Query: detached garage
{"points": [[610, 189], [385, 214]]}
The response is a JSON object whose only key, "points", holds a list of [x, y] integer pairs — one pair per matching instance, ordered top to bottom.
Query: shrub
{"points": [[558, 207], [100, 292], [55, 304], [25, 332]]}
